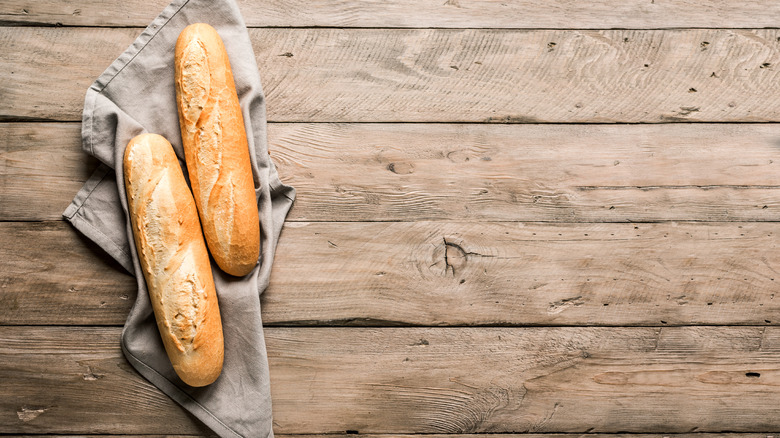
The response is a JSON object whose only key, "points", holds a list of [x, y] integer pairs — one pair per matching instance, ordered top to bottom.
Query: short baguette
{"points": [[215, 149], [174, 259]]}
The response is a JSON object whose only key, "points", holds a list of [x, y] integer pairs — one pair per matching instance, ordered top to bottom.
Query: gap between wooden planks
{"points": [[426, 13], [439, 75], [462, 172], [439, 274], [415, 380]]}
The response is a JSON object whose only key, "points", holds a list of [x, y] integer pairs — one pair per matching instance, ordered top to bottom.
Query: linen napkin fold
{"points": [[135, 95]]}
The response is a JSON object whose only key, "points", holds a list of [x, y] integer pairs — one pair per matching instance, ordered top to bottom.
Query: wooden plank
{"points": [[511, 14], [439, 75], [42, 167], [469, 172], [530, 172], [440, 273], [51, 274], [87, 360], [414, 380], [469, 435]]}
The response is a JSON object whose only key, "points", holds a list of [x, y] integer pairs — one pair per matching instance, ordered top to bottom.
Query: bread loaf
{"points": [[215, 149], [174, 259]]}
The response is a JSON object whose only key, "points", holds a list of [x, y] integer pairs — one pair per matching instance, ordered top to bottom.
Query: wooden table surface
{"points": [[513, 217]]}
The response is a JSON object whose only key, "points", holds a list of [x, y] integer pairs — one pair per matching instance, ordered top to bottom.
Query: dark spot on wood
{"points": [[27, 12], [625, 40], [704, 45], [550, 46], [287, 54], [477, 62], [647, 65], [765, 65], [454, 67], [713, 75], [691, 90], [686, 110], [513, 119], [486, 159], [401, 168], [612, 207], [333, 245], [458, 258], [462, 280], [709, 304], [561, 305], [663, 322], [753, 375], [352, 432]]}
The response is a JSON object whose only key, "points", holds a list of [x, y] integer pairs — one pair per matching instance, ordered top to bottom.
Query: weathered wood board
{"points": [[560, 14], [441, 75], [472, 172], [514, 220], [440, 273], [421, 380]]}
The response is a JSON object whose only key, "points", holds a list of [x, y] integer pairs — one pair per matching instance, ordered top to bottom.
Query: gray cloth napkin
{"points": [[136, 95]]}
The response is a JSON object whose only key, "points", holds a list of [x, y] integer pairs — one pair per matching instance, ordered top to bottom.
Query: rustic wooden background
{"points": [[543, 218]]}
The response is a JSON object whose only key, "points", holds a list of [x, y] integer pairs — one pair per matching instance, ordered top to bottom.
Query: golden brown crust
{"points": [[216, 150], [174, 259]]}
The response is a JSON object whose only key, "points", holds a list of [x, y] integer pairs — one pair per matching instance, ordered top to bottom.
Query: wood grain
{"points": [[510, 14], [439, 75], [42, 167], [410, 172], [470, 172], [440, 274], [660, 380], [351, 434]]}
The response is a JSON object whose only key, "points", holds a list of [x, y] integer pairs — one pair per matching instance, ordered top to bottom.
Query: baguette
{"points": [[215, 149], [174, 259]]}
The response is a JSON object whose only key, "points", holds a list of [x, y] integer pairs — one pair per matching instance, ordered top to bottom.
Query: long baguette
{"points": [[215, 149], [174, 259]]}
